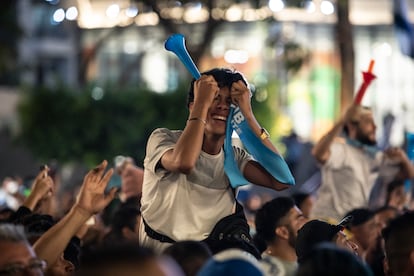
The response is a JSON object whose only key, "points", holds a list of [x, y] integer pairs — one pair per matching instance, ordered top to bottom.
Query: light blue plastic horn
{"points": [[176, 44]]}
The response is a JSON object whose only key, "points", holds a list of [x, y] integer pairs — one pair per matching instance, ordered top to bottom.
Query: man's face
{"points": [[218, 112], [365, 130], [295, 220], [342, 241], [16, 255]]}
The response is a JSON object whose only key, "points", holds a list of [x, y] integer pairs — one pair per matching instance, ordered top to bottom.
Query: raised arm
{"points": [[188, 147], [321, 150], [254, 172], [42, 188], [91, 200]]}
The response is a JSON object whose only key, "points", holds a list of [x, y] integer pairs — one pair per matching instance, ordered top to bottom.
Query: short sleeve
{"points": [[160, 141]]}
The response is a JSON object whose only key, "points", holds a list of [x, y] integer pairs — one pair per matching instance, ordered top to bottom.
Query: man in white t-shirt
{"points": [[351, 166], [185, 190], [277, 223]]}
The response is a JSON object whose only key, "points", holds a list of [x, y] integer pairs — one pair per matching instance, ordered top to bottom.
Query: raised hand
{"points": [[205, 89], [240, 96], [396, 154], [43, 185], [42, 189], [92, 197]]}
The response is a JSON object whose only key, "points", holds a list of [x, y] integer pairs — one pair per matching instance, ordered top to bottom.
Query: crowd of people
{"points": [[181, 215]]}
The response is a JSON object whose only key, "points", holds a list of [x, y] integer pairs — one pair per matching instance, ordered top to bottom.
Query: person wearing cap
{"points": [[350, 166], [277, 223], [363, 230], [315, 232]]}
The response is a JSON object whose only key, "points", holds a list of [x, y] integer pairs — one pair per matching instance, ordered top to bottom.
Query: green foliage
{"points": [[73, 126]]}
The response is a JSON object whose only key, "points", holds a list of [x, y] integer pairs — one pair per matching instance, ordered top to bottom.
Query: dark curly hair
{"points": [[223, 76]]}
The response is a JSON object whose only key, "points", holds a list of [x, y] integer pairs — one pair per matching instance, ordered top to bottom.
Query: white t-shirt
{"points": [[347, 179], [184, 206], [275, 266]]}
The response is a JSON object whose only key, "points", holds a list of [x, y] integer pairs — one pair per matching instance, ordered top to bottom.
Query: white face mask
{"points": [[11, 187]]}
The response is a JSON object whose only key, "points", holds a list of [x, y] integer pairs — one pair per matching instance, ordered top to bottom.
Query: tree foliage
{"points": [[69, 126], [73, 127]]}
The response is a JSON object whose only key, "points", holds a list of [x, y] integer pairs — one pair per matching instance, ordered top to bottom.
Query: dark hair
{"points": [[223, 76], [391, 187], [300, 197], [359, 216], [125, 217], [268, 217], [313, 233], [399, 242], [190, 255], [329, 259], [94, 260]]}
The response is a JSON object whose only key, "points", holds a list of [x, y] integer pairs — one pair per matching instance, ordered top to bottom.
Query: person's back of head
{"points": [[270, 216], [124, 224], [313, 233], [399, 244], [189, 255], [121, 259], [327, 259], [231, 262]]}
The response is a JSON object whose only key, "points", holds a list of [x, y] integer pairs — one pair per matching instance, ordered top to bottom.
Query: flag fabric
{"points": [[404, 29]]}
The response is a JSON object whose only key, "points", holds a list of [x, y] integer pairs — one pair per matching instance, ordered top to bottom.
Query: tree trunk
{"points": [[345, 43]]}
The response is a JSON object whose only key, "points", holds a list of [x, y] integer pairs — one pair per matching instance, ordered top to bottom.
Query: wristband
{"points": [[197, 119]]}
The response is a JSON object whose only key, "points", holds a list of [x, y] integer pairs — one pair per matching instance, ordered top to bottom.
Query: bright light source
{"points": [[276, 5], [310, 7], [327, 7], [112, 11], [131, 11], [71, 13], [195, 13], [234, 13], [59, 15], [382, 49], [236, 56], [97, 93]]}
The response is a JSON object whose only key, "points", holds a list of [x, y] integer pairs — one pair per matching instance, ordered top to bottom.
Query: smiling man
{"points": [[351, 166], [185, 189]]}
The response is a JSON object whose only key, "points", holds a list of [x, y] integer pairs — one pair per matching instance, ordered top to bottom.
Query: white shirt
{"points": [[347, 179], [184, 206]]}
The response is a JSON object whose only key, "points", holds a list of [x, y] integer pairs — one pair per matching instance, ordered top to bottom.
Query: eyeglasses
{"points": [[36, 267]]}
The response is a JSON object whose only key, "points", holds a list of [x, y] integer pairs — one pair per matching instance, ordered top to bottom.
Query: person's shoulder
{"points": [[166, 131], [272, 265]]}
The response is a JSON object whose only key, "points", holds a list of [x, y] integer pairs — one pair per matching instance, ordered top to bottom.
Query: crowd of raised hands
{"points": [[33, 239]]}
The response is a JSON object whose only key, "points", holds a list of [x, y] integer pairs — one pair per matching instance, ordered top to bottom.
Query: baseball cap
{"points": [[314, 232], [232, 262]]}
